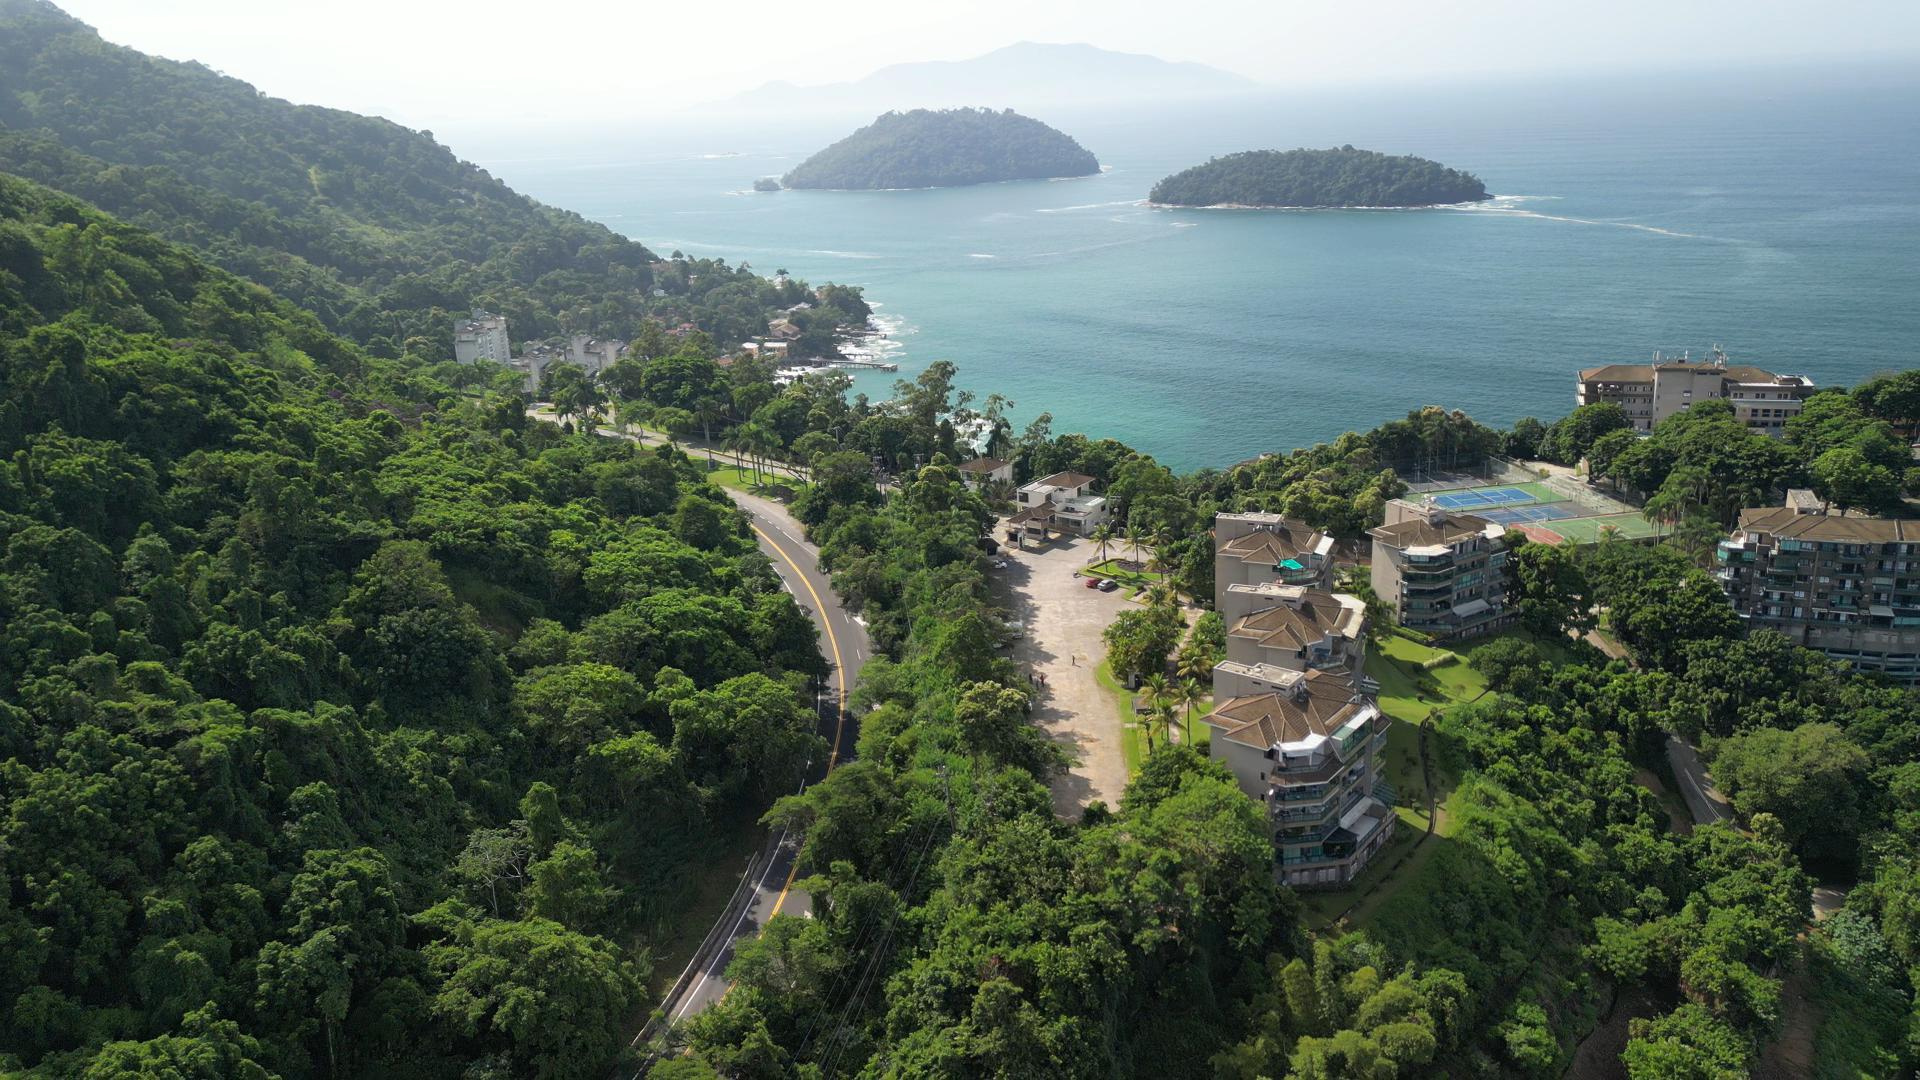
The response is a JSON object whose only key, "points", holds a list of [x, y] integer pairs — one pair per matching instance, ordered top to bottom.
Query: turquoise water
{"points": [[1776, 214]]}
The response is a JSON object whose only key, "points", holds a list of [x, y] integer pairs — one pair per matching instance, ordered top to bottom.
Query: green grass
{"points": [[732, 476], [1587, 530], [1110, 568], [1408, 693], [1133, 734]]}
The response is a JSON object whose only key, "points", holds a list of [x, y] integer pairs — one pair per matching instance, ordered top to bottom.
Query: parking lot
{"points": [[1063, 620]]}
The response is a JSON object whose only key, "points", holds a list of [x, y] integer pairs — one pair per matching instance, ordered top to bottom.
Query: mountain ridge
{"points": [[1020, 74]]}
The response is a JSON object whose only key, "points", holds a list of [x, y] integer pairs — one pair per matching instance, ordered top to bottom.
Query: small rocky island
{"points": [[944, 148], [1340, 177]]}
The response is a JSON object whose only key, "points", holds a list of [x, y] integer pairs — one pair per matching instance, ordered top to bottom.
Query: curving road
{"points": [[844, 642]]}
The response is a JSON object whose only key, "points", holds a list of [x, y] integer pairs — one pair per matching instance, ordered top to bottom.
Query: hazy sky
{"points": [[433, 62]]}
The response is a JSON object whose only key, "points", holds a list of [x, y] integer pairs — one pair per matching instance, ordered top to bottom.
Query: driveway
{"points": [[1063, 621]]}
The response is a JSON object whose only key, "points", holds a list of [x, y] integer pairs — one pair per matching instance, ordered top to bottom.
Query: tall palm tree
{"points": [[709, 411], [735, 443], [1133, 535], [1102, 538], [1161, 594], [1194, 666], [1190, 694], [1159, 697], [1166, 717]]}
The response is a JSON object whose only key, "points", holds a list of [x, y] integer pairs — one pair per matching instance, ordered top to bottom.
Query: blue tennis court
{"points": [[1482, 497], [1515, 515]]}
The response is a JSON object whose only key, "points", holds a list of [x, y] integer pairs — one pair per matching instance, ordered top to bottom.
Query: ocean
{"points": [[1775, 214]]}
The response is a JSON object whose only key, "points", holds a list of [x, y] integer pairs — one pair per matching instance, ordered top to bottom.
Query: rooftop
{"points": [[1740, 373], [982, 465], [1063, 480], [1792, 523], [1436, 529], [1275, 543], [1302, 619], [1320, 704]]}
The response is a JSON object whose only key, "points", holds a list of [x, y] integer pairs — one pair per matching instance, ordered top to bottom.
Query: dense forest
{"points": [[944, 148], [1341, 176], [380, 231], [350, 725]]}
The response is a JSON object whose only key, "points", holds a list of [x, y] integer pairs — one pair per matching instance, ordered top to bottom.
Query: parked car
{"points": [[997, 564], [1093, 582], [1108, 584]]}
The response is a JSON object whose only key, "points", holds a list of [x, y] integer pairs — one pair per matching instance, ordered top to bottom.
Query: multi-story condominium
{"points": [[481, 336], [594, 355], [1649, 393], [1063, 502], [1252, 548], [1442, 573], [1845, 584], [1291, 626], [1296, 722], [1305, 744]]}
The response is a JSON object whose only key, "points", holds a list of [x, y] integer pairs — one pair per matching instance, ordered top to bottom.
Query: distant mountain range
{"points": [[1026, 75]]}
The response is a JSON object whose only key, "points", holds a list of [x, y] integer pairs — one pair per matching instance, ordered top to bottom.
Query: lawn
{"points": [[732, 476], [1111, 568], [1409, 693], [1133, 733]]}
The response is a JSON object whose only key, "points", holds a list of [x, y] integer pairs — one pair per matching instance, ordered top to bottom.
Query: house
{"points": [[782, 330], [481, 336], [594, 355], [1649, 393], [980, 471], [1063, 503], [1252, 548], [1442, 573], [1845, 584], [1306, 745]]}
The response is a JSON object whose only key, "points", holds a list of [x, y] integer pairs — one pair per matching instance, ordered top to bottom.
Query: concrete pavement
{"points": [[1704, 802]]}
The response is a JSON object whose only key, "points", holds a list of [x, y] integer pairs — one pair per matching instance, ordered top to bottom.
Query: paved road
{"points": [[843, 639], [846, 646], [1704, 802]]}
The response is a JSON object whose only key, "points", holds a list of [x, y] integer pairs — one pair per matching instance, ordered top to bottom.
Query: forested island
{"points": [[944, 148], [1342, 176]]}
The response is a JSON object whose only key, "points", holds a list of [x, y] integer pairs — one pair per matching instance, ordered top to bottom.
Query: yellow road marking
{"points": [[839, 672]]}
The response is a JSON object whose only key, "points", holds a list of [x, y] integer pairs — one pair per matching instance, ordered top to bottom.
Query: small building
{"points": [[481, 336], [594, 355], [1649, 393], [980, 471], [1063, 502], [1251, 548], [1443, 573], [1845, 584]]}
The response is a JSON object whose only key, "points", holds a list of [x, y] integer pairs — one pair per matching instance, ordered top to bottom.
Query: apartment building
{"points": [[481, 336], [1649, 393], [1063, 503], [1251, 548], [1442, 573], [1845, 584], [1291, 626], [1293, 717], [1306, 745]]}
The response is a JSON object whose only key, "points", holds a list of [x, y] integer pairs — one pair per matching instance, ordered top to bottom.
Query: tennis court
{"points": [[1474, 499], [1519, 515], [1589, 530]]}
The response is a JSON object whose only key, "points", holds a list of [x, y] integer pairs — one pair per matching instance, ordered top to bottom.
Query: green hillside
{"points": [[944, 148], [379, 230], [350, 726]]}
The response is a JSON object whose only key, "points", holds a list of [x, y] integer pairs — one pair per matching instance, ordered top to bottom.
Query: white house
{"points": [[1063, 502]]}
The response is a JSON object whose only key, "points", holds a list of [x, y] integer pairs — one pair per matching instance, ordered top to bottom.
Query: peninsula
{"points": [[944, 148], [1340, 177]]}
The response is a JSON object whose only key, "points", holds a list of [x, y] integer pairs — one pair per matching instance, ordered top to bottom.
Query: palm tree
{"points": [[709, 411], [760, 443], [736, 444], [1132, 534], [1102, 537], [1161, 594], [1194, 665], [1191, 694], [1159, 697], [1166, 717]]}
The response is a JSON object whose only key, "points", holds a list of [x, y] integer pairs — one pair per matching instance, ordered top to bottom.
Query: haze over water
{"points": [[1775, 214]]}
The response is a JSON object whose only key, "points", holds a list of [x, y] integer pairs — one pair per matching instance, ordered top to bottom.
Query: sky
{"points": [[428, 63]]}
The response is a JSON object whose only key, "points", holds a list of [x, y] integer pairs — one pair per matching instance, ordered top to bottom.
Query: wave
{"points": [[1089, 206], [1655, 229], [845, 254], [980, 255]]}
